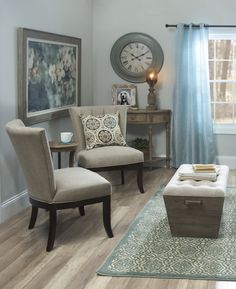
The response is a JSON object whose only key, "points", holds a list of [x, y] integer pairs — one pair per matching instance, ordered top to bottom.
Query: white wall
{"points": [[71, 17], [112, 19]]}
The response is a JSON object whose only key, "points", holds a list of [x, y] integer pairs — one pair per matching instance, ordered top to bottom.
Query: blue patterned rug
{"points": [[148, 250]]}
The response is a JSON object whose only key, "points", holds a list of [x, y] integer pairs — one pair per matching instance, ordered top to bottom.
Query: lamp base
{"points": [[151, 107]]}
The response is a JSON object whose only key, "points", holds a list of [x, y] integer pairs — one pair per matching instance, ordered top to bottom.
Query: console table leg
{"points": [[150, 141], [167, 145], [59, 160]]}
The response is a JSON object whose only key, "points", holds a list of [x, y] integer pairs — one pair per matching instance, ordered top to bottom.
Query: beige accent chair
{"points": [[106, 157], [55, 189]]}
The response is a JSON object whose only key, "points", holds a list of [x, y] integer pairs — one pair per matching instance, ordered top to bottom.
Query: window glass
{"points": [[211, 49], [223, 49], [223, 69], [222, 75], [224, 91], [224, 113]]}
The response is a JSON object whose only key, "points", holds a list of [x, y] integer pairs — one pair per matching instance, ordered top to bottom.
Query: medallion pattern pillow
{"points": [[102, 130]]}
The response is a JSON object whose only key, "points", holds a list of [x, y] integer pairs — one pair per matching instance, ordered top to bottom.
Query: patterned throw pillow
{"points": [[102, 130]]}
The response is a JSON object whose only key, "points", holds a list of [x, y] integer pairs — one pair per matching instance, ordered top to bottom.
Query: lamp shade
{"points": [[151, 76]]}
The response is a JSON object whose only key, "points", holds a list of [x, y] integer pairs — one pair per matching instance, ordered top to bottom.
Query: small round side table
{"points": [[56, 146]]}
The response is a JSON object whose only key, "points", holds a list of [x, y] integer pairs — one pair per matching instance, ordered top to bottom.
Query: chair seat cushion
{"points": [[108, 156], [76, 184]]}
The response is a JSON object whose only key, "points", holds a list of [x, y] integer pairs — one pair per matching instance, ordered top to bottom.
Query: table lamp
{"points": [[151, 79]]}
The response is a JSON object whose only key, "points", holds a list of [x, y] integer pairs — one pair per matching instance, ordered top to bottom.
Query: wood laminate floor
{"points": [[81, 244]]}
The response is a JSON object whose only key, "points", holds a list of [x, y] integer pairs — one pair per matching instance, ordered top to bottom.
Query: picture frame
{"points": [[49, 75], [124, 94]]}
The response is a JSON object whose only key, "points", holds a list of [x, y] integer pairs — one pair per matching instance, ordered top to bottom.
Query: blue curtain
{"points": [[193, 139]]}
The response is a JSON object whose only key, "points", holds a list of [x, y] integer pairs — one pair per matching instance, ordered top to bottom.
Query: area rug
{"points": [[148, 249]]}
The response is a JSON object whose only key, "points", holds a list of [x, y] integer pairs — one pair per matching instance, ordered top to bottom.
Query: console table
{"points": [[150, 118]]}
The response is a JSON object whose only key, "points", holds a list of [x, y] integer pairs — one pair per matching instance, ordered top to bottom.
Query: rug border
{"points": [[125, 234], [101, 272]]}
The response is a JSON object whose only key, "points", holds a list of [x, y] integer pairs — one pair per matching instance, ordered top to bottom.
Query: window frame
{"points": [[223, 34]]}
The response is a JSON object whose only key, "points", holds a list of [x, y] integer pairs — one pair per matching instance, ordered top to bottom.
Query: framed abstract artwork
{"points": [[49, 75], [124, 94]]}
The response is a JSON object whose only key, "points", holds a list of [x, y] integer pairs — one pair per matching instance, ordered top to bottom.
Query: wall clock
{"points": [[133, 54]]}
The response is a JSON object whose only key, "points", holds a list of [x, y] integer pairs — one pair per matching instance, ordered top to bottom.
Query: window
{"points": [[222, 70]]}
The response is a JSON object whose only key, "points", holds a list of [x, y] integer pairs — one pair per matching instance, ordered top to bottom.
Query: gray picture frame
{"points": [[49, 75], [124, 94]]}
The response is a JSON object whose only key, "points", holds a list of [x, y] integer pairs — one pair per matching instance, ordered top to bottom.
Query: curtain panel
{"points": [[193, 139]]}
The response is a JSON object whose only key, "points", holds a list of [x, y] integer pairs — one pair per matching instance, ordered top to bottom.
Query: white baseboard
{"points": [[229, 161], [13, 206]]}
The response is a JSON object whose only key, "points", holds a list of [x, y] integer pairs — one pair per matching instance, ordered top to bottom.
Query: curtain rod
{"points": [[205, 25]]}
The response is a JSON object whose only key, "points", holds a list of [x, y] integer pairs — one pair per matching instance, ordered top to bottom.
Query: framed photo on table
{"points": [[49, 75], [124, 94]]}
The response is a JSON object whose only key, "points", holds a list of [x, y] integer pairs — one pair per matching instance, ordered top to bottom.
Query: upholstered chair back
{"points": [[76, 112], [32, 149]]}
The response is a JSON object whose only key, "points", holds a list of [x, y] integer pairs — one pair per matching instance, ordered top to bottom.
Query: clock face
{"points": [[133, 54], [136, 57]]}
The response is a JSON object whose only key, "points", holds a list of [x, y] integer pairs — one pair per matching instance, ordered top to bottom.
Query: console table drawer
{"points": [[139, 117], [148, 118], [161, 118]]}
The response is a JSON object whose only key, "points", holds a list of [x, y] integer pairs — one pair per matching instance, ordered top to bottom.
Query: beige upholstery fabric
{"points": [[76, 112], [102, 130], [33, 152], [106, 156], [109, 156], [43, 183], [90, 184], [175, 187]]}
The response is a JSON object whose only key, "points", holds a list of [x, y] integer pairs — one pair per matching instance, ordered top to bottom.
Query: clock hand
{"points": [[142, 54], [135, 57], [138, 57]]}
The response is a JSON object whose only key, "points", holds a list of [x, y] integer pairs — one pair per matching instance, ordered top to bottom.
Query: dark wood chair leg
{"points": [[122, 177], [140, 178], [81, 211], [34, 214], [107, 216], [52, 228]]}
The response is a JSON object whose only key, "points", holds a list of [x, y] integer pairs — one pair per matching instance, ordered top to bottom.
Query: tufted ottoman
{"points": [[194, 208]]}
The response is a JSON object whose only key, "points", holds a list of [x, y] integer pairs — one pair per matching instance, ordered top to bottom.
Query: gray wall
{"points": [[71, 17], [112, 19]]}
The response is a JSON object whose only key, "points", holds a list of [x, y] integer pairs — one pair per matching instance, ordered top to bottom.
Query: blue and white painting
{"points": [[52, 70]]}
